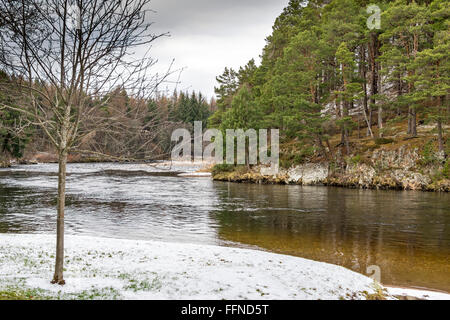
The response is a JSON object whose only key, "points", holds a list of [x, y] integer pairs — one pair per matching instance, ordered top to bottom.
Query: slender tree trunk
{"points": [[373, 53], [399, 93], [365, 99], [380, 107], [345, 114], [341, 115], [412, 117], [380, 121], [409, 122], [412, 123], [359, 126], [439, 127], [412, 128], [369, 129], [345, 131], [440, 136], [327, 141], [347, 142], [321, 146], [58, 278]]}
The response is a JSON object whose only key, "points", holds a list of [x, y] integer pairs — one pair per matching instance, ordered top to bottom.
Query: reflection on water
{"points": [[406, 234]]}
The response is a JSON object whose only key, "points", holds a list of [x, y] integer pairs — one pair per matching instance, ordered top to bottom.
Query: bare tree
{"points": [[64, 56]]}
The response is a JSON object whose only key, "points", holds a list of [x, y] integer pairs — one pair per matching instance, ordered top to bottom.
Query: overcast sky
{"points": [[209, 35]]}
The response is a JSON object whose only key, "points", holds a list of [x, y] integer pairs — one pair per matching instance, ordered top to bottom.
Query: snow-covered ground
{"points": [[196, 175], [101, 268]]}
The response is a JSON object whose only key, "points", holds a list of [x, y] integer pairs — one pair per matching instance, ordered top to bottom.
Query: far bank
{"points": [[381, 164]]}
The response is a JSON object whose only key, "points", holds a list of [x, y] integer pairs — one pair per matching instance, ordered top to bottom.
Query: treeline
{"points": [[323, 68], [141, 128], [14, 131]]}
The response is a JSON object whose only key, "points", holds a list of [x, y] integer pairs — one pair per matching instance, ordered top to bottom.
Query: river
{"points": [[405, 234]]}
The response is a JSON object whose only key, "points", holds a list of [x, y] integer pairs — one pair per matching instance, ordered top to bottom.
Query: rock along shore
{"points": [[386, 169]]}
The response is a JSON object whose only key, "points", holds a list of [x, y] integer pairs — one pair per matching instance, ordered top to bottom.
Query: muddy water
{"points": [[405, 234]]}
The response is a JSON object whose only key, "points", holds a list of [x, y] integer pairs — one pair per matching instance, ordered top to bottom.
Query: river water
{"points": [[404, 234]]}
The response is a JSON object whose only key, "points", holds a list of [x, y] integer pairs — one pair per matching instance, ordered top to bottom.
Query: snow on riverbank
{"points": [[196, 175], [100, 268]]}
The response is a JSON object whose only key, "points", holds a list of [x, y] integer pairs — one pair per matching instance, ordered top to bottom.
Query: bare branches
{"points": [[65, 57], [61, 76]]}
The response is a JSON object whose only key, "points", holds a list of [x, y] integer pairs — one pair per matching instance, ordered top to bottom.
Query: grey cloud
{"points": [[207, 35]]}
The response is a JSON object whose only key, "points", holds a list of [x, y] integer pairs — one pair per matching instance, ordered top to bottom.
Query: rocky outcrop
{"points": [[400, 169], [308, 174], [366, 177]]}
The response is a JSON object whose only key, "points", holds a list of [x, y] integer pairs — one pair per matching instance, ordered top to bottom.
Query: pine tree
{"points": [[403, 36], [321, 61], [432, 81], [228, 86], [348, 91], [242, 115], [13, 136]]}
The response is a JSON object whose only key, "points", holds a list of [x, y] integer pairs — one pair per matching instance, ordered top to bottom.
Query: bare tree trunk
{"points": [[373, 54], [54, 65], [399, 93], [365, 99], [380, 107], [380, 121], [409, 122], [412, 122], [359, 126], [439, 126], [369, 128], [344, 130], [440, 136], [327, 141], [347, 143], [321, 146], [58, 278]]}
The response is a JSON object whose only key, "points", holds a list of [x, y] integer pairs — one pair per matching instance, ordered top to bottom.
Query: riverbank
{"points": [[388, 168], [100, 268]]}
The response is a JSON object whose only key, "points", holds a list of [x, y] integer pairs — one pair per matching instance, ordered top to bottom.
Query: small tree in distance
{"points": [[62, 55]]}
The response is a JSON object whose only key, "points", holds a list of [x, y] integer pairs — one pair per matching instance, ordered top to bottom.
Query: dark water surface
{"points": [[406, 234]]}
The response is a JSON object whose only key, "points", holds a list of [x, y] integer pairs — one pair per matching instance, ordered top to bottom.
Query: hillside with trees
{"points": [[338, 90]]}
